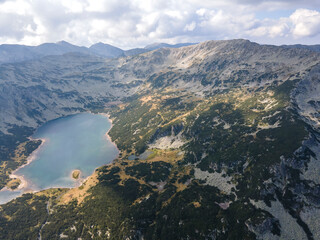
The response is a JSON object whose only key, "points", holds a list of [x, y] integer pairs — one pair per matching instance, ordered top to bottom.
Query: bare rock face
{"points": [[307, 98], [219, 180]]}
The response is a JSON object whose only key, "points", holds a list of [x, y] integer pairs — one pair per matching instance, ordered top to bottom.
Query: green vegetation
{"points": [[146, 115], [225, 132], [242, 133], [14, 150], [155, 171], [76, 174], [14, 183], [115, 209], [22, 218]]}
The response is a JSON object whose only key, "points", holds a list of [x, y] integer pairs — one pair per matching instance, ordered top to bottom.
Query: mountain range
{"points": [[10, 53], [231, 130]]}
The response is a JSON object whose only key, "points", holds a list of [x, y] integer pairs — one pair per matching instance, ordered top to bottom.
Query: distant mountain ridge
{"points": [[315, 48], [11, 53], [18, 53]]}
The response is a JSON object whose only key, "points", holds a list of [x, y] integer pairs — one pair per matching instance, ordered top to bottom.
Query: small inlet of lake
{"points": [[74, 142]]}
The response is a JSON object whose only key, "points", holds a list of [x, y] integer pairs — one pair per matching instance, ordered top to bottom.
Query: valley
{"points": [[218, 140]]}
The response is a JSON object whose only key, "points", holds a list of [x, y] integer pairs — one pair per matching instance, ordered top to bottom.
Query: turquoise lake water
{"points": [[74, 142]]}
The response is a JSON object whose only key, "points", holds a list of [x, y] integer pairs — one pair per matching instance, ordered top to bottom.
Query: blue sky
{"points": [[136, 23]]}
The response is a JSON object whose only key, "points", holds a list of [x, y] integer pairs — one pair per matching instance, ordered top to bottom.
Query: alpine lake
{"points": [[75, 142]]}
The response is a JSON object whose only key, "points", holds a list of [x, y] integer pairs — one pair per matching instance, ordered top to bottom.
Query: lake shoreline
{"points": [[107, 133], [82, 181], [24, 182], [26, 186]]}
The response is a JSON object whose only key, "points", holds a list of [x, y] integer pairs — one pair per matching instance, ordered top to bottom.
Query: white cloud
{"points": [[19, 7], [139, 22], [306, 23], [302, 25], [190, 27], [271, 29]]}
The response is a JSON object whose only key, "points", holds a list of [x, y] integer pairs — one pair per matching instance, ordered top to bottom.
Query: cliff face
{"points": [[226, 136]]}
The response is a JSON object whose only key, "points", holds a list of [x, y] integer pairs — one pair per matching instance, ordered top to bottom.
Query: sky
{"points": [[136, 23]]}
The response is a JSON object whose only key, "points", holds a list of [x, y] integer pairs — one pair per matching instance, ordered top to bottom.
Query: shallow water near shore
{"points": [[74, 142]]}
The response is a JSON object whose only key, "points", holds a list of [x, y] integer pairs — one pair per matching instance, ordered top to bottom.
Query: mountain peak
{"points": [[64, 43], [100, 44], [106, 50]]}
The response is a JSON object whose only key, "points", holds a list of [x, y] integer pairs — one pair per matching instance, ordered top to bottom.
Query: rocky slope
{"points": [[218, 140]]}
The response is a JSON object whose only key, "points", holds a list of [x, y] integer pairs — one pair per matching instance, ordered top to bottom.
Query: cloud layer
{"points": [[134, 23]]}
